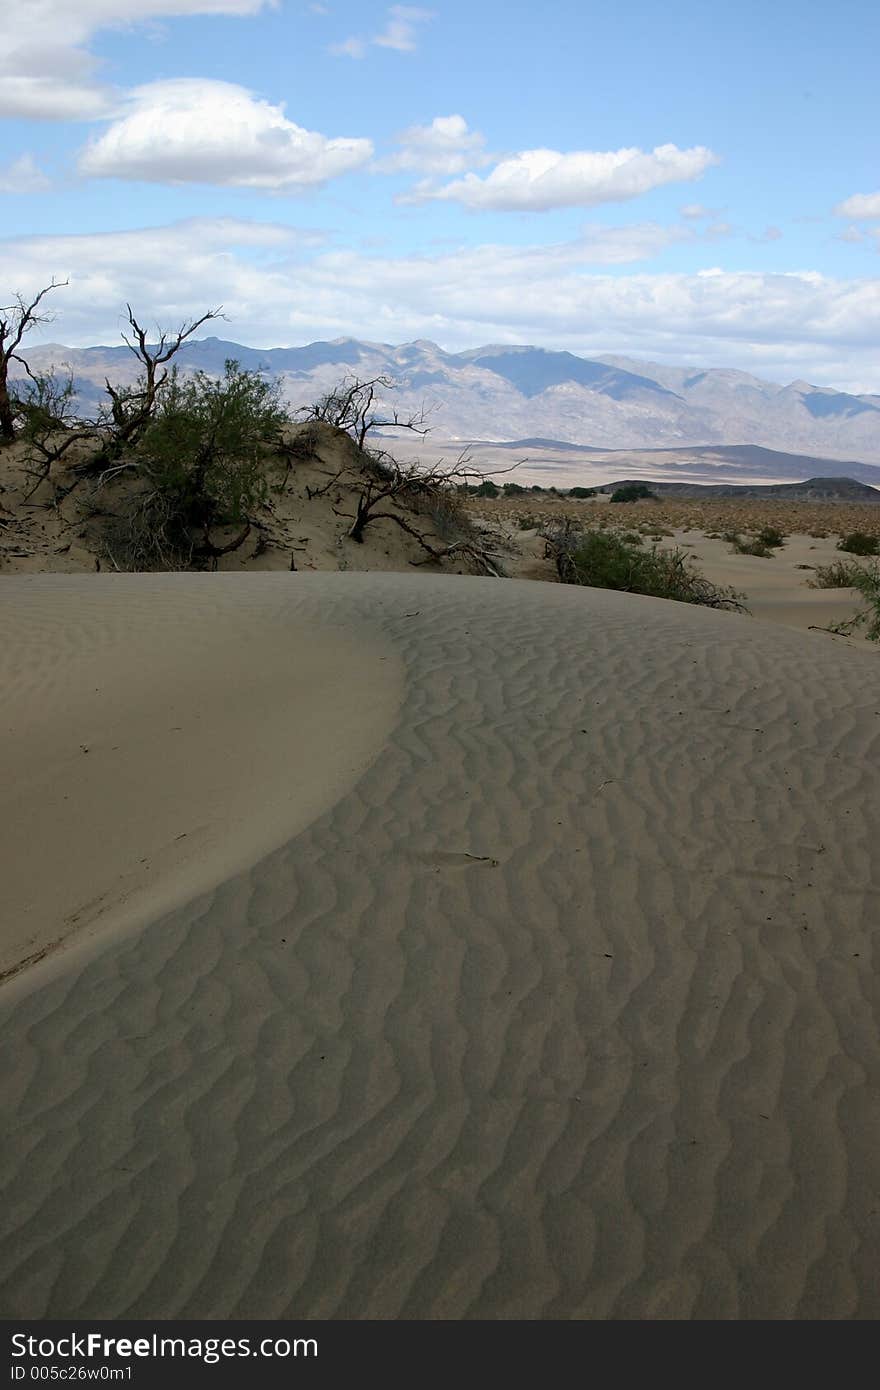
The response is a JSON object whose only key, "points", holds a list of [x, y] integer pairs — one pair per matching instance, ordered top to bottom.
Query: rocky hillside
{"points": [[503, 393], [811, 490]]}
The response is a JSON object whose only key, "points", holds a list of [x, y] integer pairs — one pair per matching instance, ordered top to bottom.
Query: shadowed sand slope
{"points": [[161, 733], [567, 1008]]}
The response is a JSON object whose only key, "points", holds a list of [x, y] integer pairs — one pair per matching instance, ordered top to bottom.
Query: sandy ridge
{"points": [[161, 734], [629, 1069]]}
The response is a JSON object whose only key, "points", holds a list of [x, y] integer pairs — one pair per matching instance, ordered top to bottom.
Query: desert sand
{"points": [[777, 587], [163, 738], [523, 964]]}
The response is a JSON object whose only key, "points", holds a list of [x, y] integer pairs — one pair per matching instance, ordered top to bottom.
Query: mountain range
{"points": [[501, 393], [810, 490]]}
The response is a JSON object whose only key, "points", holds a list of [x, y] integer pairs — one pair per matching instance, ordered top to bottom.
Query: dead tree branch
{"points": [[16, 320], [349, 407], [132, 408]]}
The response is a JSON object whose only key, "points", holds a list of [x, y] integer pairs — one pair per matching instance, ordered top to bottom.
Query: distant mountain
{"points": [[533, 371], [526, 394], [753, 460], [811, 490]]}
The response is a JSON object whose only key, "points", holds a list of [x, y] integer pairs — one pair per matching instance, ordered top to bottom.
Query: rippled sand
{"points": [[557, 999]]}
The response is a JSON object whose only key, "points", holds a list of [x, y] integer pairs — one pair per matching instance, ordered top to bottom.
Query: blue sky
{"points": [[688, 182]]}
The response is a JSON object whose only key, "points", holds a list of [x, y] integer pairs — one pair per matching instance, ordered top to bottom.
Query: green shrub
{"points": [[46, 406], [207, 441], [202, 462], [487, 489], [582, 492], [633, 492], [444, 508], [771, 537], [859, 543], [761, 544], [755, 546], [603, 560], [842, 574], [864, 578], [868, 585]]}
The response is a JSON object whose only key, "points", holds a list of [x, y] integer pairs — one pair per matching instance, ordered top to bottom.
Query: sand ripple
{"points": [[567, 1009]]}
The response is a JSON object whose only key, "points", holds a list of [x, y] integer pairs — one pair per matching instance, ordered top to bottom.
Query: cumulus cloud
{"points": [[400, 33], [46, 70], [191, 130], [444, 147], [22, 175], [537, 180], [861, 206], [163, 271], [278, 287]]}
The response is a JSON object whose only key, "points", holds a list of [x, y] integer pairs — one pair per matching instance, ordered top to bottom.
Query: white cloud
{"points": [[399, 33], [349, 48], [46, 70], [52, 83], [190, 130], [444, 147], [23, 175], [536, 180], [860, 206], [864, 207], [696, 212], [162, 271], [277, 286]]}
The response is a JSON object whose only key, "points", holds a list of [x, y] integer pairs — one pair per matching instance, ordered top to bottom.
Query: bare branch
{"points": [[17, 318], [15, 321], [166, 346], [349, 407], [131, 409], [482, 555]]}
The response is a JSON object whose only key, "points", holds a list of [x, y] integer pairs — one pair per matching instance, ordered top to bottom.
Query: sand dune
{"points": [[777, 588], [161, 740], [559, 1000]]}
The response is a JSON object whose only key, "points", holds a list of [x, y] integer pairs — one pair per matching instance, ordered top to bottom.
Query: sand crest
{"points": [[163, 733], [559, 1003]]}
